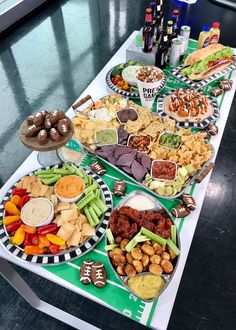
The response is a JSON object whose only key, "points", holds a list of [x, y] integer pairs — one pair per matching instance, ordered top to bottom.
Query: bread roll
{"points": [[202, 53]]}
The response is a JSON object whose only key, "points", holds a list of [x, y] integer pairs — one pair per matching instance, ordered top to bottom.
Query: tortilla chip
{"points": [[25, 182], [35, 189], [54, 200], [62, 206], [69, 214], [82, 218], [88, 230], [66, 231], [74, 240]]}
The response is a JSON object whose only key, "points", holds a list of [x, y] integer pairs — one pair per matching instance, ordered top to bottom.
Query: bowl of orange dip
{"points": [[69, 188]]}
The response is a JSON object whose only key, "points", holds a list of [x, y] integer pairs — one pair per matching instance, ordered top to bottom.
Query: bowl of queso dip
{"points": [[37, 212]]}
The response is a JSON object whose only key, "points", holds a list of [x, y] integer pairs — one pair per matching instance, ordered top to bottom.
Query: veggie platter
{"points": [[121, 79], [144, 138], [55, 214], [143, 245]]}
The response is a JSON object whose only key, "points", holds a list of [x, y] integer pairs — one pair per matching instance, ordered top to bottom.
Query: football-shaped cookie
{"points": [[226, 85], [216, 91], [54, 116], [39, 119], [47, 123], [62, 128], [212, 129], [33, 130], [54, 135], [42, 136], [98, 168], [119, 188], [189, 202], [180, 211], [85, 271], [98, 275]]}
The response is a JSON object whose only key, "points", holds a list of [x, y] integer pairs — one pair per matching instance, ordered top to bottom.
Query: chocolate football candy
{"points": [[226, 85], [216, 91], [61, 115], [54, 116], [38, 119], [30, 120], [65, 121], [47, 123], [62, 128], [212, 129], [33, 130], [206, 134], [54, 135], [42, 136], [98, 168], [119, 188], [189, 202], [180, 211], [85, 271], [98, 274]]}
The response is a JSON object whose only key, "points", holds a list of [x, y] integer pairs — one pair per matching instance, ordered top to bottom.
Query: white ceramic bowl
{"points": [[46, 221]]}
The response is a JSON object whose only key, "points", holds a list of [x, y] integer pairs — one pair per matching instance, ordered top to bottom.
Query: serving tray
{"points": [[202, 83], [121, 92], [189, 124], [64, 255], [166, 277]]}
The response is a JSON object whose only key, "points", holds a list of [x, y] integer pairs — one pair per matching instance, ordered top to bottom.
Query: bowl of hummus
{"points": [[69, 188], [37, 212]]}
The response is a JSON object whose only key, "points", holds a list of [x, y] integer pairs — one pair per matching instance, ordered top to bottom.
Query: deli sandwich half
{"points": [[206, 61]]}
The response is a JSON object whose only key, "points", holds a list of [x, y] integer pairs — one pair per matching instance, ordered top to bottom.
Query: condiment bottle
{"points": [[214, 33], [203, 40]]}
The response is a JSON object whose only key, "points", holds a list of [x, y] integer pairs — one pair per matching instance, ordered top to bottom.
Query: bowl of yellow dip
{"points": [[69, 188], [37, 212], [146, 286]]}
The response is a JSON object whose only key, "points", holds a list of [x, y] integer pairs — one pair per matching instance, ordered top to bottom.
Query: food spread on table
{"points": [[204, 62], [187, 105], [147, 138], [45, 219], [142, 246]]}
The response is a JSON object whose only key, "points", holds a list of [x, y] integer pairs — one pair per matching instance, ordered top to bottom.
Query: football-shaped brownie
{"points": [[226, 85], [216, 91], [55, 116], [39, 119], [47, 123], [62, 128], [212, 129], [33, 130], [54, 135], [42, 136], [98, 168], [119, 188], [189, 202], [180, 211], [85, 271], [98, 275]]}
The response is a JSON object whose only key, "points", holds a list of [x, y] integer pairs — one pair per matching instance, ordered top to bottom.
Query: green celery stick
{"points": [[69, 168], [61, 171], [77, 171], [43, 172], [45, 176], [86, 179], [49, 181], [90, 188], [98, 193], [85, 200], [100, 204], [96, 209], [94, 216], [89, 217], [173, 233], [110, 236], [153, 236], [137, 239], [172, 246], [111, 247]]}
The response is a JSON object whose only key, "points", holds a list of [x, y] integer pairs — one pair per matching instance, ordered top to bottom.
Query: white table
{"points": [[161, 316]]}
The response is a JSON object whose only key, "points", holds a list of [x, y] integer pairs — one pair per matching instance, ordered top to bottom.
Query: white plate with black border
{"points": [[64, 255]]}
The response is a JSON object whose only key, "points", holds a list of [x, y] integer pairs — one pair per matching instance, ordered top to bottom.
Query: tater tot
{"points": [[148, 249], [167, 266]]}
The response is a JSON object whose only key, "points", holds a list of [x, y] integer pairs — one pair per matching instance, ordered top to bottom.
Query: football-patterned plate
{"points": [[202, 83], [126, 93], [215, 114], [67, 254]]}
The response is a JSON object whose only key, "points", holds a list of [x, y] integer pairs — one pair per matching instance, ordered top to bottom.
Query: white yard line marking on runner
{"points": [[113, 177], [101, 252], [108, 281], [141, 306], [138, 317]]}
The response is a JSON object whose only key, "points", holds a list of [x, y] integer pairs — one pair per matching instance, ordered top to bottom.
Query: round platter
{"points": [[126, 93], [215, 114], [33, 144], [63, 255]]}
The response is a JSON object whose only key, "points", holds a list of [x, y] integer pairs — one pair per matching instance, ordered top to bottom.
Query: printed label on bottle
{"points": [[214, 39], [206, 43], [162, 59]]}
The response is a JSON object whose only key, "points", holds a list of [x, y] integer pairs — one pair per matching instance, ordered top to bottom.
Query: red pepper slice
{"points": [[19, 191], [24, 200], [13, 226], [47, 229], [34, 239], [27, 240], [53, 248]]}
